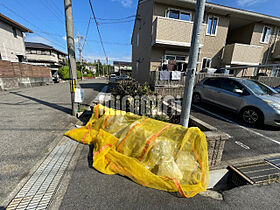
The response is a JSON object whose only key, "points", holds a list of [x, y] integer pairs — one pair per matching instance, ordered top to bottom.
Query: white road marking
{"points": [[230, 121], [242, 145]]}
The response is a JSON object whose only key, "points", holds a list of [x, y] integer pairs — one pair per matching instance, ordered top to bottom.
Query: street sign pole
{"points": [[71, 53], [188, 92]]}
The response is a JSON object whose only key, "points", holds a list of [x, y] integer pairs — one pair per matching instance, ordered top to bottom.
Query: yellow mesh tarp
{"points": [[152, 153]]}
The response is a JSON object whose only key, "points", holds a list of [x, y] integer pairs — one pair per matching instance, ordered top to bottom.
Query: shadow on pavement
{"points": [[94, 86], [52, 105]]}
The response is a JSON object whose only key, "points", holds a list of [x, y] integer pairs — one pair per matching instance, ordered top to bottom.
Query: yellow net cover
{"points": [[152, 153]]}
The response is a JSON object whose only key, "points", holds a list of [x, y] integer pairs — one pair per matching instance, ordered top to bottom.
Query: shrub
{"points": [[63, 73], [132, 88]]}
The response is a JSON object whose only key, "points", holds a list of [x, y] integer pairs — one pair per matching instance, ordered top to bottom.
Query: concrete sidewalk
{"points": [[33, 121]]}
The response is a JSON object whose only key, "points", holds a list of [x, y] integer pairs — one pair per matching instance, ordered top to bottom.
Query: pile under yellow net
{"points": [[152, 153]]}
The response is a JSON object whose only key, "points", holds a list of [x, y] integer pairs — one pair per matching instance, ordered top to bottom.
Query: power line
{"points": [[56, 8], [54, 13], [123, 18], [116, 22], [97, 26], [41, 31], [85, 40], [110, 43]]}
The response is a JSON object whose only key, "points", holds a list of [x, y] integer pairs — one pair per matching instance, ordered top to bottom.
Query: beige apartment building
{"points": [[229, 37], [12, 40]]}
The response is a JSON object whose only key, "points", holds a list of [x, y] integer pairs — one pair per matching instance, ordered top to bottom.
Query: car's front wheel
{"points": [[252, 116]]}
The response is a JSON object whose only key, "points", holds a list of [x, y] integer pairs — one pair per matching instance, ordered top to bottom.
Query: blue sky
{"points": [[46, 19]]}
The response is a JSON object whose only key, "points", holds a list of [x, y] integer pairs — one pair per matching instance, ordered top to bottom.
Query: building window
{"points": [[175, 14], [180, 15], [185, 16], [212, 25], [15, 32], [265, 34], [138, 39], [175, 58], [206, 63]]}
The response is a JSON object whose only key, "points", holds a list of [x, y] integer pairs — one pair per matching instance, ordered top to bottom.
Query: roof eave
{"points": [[15, 24]]}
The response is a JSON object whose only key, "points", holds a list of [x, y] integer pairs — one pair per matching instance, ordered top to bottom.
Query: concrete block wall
{"points": [[15, 75]]}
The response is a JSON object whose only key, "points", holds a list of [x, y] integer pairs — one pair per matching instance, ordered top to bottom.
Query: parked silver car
{"points": [[255, 102]]}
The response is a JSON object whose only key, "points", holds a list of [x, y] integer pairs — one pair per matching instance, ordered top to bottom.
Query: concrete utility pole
{"points": [[71, 53], [80, 53], [107, 65], [187, 100]]}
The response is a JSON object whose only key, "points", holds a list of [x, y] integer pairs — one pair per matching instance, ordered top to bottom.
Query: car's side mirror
{"points": [[238, 91]]}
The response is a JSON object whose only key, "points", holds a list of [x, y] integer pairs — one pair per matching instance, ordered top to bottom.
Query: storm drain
{"points": [[274, 161], [257, 173], [42, 185]]}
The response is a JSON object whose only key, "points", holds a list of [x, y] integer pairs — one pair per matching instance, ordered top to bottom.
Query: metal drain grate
{"points": [[274, 161], [257, 173], [39, 189]]}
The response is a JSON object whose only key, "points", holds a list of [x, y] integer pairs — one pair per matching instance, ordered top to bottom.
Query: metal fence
{"points": [[156, 82]]}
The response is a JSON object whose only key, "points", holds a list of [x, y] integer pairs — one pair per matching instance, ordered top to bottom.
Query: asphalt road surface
{"points": [[30, 119], [246, 141], [90, 189]]}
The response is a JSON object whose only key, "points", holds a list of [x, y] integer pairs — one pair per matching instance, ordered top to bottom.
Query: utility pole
{"points": [[71, 53], [80, 53], [107, 65], [98, 69], [188, 92]]}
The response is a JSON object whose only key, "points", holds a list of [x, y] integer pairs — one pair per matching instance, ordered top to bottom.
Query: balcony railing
{"points": [[173, 32], [242, 54], [42, 58]]}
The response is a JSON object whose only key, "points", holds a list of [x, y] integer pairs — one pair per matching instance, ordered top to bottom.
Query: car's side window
{"points": [[213, 82], [231, 86]]}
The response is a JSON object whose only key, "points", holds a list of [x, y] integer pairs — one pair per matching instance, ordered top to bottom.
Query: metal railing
{"points": [[156, 82]]}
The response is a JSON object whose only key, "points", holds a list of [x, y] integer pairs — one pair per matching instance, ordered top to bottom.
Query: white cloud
{"points": [[249, 2], [125, 3], [38, 39]]}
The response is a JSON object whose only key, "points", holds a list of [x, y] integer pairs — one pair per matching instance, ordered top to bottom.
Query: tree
{"points": [[63, 73]]}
